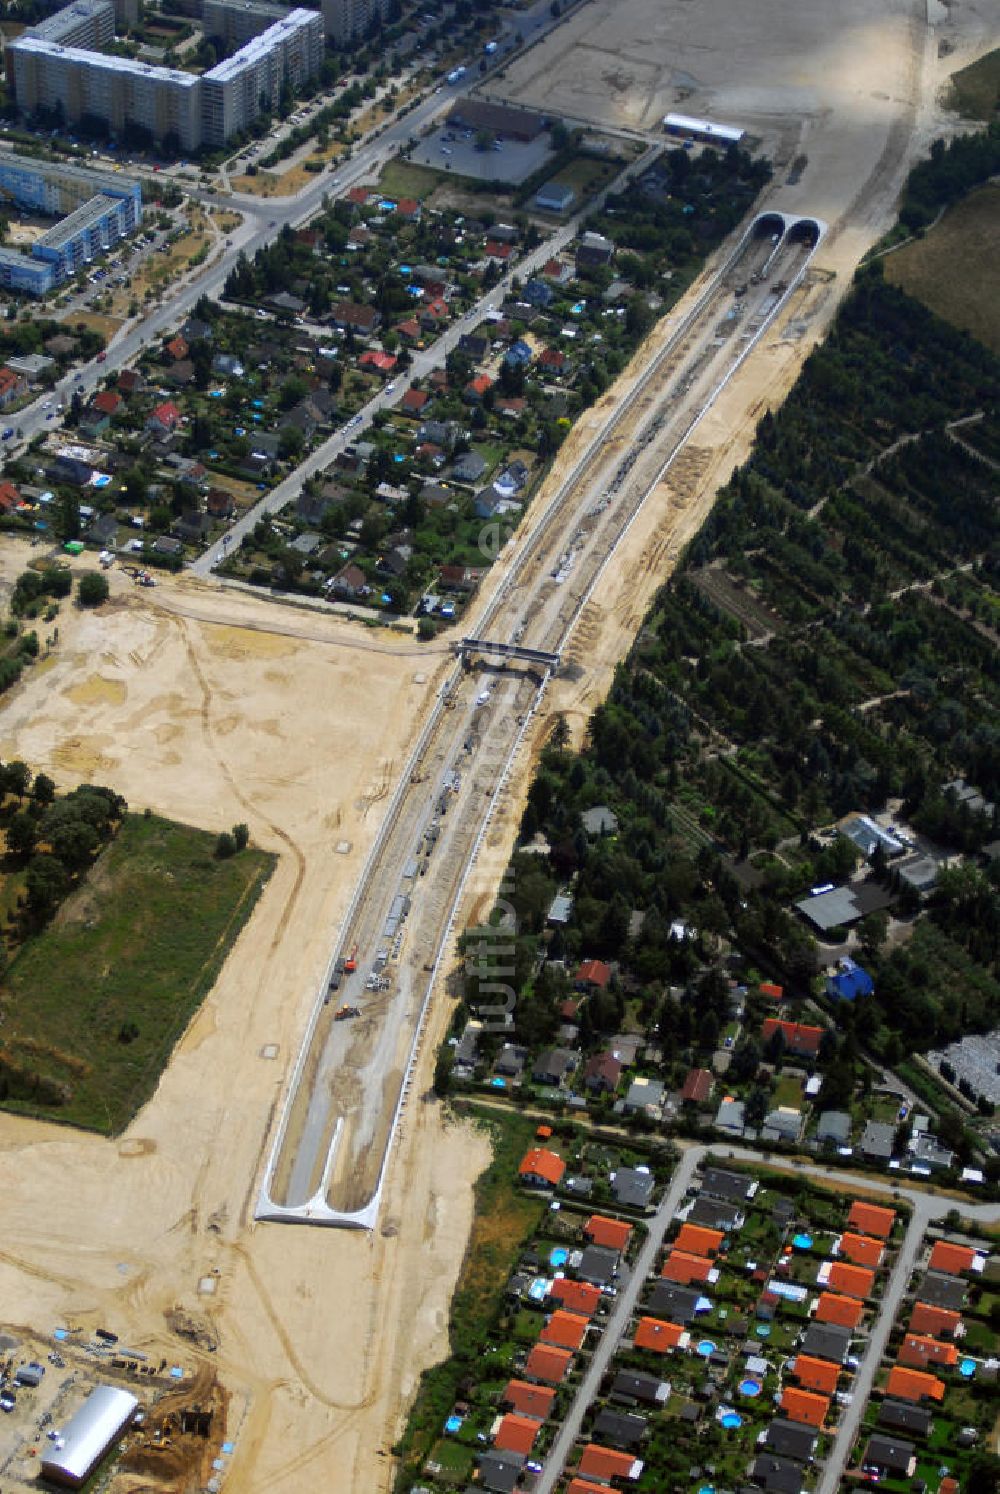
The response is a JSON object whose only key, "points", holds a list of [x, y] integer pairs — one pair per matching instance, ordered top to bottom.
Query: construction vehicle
{"points": [[351, 963], [344, 1012]]}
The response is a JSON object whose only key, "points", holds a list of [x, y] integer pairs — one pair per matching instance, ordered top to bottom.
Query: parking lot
{"points": [[449, 149]]}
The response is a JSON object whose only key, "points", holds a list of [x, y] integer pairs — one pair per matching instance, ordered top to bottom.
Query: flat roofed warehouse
{"points": [[88, 1435]]}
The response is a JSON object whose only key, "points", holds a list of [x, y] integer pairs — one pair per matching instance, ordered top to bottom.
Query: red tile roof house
{"points": [[358, 196], [408, 208], [493, 250], [350, 316], [410, 330], [177, 348], [552, 360], [380, 363], [131, 381], [11, 385], [476, 388], [413, 401], [108, 402], [164, 420], [9, 497], [592, 975], [798, 1037], [697, 1086], [541, 1169], [870, 1219], [614, 1234], [697, 1239], [862, 1250], [955, 1260], [684, 1268], [852, 1281], [576, 1296], [844, 1311], [941, 1322], [566, 1330], [659, 1337], [918, 1351], [546, 1362], [528, 1400], [803, 1405], [516, 1434], [601, 1463], [583, 1486]]}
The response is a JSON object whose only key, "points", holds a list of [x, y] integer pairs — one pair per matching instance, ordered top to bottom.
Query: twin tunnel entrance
{"points": [[790, 227]]}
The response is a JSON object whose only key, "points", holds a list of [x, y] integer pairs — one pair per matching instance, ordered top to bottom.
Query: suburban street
{"points": [[927, 1208], [617, 1322]]}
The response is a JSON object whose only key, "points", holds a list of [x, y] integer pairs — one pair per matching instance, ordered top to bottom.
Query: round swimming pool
{"points": [[802, 1242], [558, 1256], [763, 1330], [705, 1348], [967, 1368], [750, 1387], [731, 1420]]}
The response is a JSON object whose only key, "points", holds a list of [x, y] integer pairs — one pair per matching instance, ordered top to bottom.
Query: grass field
{"points": [[975, 91], [406, 179], [955, 268], [95, 1003]]}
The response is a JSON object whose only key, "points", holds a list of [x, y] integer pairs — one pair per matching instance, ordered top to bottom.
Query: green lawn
{"points": [[975, 90], [406, 179], [95, 1003]]}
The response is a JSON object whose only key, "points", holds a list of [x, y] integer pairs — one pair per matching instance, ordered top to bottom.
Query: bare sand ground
{"points": [[215, 708], [320, 1334]]}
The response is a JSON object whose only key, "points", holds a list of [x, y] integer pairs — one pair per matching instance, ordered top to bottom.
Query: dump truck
{"points": [[344, 1012]]}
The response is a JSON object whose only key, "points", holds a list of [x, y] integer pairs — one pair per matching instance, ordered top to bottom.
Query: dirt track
{"points": [[214, 709]]}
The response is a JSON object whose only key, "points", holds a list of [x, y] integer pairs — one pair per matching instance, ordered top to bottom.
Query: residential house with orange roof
{"points": [[12, 384], [10, 498], [592, 975], [770, 991], [798, 1037], [541, 1168], [871, 1219], [613, 1234], [696, 1239], [863, 1250], [954, 1260], [684, 1268], [853, 1281], [576, 1296], [844, 1311], [941, 1322], [564, 1329], [660, 1337], [918, 1351], [549, 1364], [816, 1374], [913, 1385], [528, 1400], [804, 1406], [516, 1434], [605, 1464], [582, 1486]]}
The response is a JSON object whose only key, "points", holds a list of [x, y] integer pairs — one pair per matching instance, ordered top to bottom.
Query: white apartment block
{"points": [[347, 20], [79, 79]]}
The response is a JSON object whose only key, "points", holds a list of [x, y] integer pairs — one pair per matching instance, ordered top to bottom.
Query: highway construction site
{"points": [[353, 1076]]}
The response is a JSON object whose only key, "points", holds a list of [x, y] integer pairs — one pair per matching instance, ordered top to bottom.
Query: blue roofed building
{"points": [[518, 355], [849, 982]]}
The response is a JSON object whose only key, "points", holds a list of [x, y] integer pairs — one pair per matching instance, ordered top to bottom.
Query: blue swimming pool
{"points": [[498, 1084], [802, 1242], [558, 1256], [763, 1330], [705, 1348], [967, 1368], [750, 1387], [731, 1420], [453, 1424]]}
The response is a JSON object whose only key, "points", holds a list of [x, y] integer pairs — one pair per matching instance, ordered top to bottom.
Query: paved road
{"points": [[617, 1322], [847, 1429]]}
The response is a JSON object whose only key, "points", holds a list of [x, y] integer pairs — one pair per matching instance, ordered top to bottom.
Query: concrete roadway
{"points": [[927, 1208]]}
